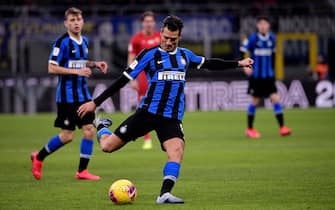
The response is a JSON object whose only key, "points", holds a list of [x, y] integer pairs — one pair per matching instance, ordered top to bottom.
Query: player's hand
{"points": [[246, 64], [102, 65], [248, 70], [86, 72], [134, 85], [85, 108]]}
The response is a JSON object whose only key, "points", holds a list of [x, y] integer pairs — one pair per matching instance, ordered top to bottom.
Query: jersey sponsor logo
{"points": [[151, 42], [73, 51], [55, 52], [263, 52], [75, 64], [133, 64], [171, 75]]}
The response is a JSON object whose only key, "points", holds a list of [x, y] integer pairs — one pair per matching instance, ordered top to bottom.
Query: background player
{"points": [[145, 39], [261, 46], [68, 60], [162, 108]]}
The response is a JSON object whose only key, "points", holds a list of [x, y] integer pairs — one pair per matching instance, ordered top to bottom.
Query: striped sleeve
{"points": [[57, 53], [195, 61], [138, 65]]}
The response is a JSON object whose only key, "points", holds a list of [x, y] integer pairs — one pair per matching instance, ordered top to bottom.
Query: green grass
{"points": [[222, 169]]}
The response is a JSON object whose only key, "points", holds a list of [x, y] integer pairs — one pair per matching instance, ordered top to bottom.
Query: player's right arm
{"points": [[57, 56], [56, 69], [129, 74]]}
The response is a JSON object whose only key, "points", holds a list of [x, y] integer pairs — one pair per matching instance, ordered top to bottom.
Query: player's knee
{"points": [[275, 98], [88, 131], [66, 136], [111, 143], [106, 148], [179, 150], [175, 151]]}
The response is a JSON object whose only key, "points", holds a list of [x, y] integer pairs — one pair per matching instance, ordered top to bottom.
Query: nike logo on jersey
{"points": [[160, 62]]}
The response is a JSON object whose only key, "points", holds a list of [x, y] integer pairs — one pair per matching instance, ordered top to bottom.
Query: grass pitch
{"points": [[222, 169]]}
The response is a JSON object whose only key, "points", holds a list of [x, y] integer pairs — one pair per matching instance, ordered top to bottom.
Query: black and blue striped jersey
{"points": [[261, 49], [70, 53], [166, 73]]}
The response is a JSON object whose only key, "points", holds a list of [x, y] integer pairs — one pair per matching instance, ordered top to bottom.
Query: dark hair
{"points": [[72, 11], [148, 14], [263, 17], [173, 23]]}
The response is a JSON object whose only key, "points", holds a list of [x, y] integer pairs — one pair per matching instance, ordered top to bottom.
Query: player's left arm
{"points": [[218, 64]]}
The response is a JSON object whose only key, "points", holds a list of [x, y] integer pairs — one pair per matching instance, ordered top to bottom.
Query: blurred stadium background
{"points": [[213, 28], [222, 168]]}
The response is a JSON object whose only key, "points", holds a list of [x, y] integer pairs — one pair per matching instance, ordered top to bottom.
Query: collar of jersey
{"points": [[263, 38], [81, 39], [171, 53]]}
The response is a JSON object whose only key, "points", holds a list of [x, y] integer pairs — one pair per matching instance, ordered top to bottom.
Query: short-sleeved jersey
{"points": [[140, 41], [261, 49], [69, 53], [166, 73]]}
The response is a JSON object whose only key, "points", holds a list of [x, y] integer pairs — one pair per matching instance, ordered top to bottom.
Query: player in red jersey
{"points": [[147, 38]]}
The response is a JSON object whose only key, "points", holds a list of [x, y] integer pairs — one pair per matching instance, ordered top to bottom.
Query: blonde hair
{"points": [[72, 11]]}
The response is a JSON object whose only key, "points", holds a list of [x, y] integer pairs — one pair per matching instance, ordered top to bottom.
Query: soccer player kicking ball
{"points": [[261, 46], [68, 60], [162, 108]]}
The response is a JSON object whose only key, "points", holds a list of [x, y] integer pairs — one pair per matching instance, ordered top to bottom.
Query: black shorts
{"points": [[262, 87], [67, 117], [142, 122]]}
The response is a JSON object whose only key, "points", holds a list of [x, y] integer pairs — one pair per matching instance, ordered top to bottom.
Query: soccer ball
{"points": [[122, 191]]}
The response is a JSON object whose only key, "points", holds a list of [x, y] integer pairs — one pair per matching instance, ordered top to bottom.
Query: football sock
{"points": [[278, 110], [251, 115], [103, 131], [53, 144], [86, 149], [171, 173], [167, 186]]}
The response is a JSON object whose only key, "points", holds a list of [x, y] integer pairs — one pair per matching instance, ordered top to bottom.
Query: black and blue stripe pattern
{"points": [[69, 53], [166, 73]]}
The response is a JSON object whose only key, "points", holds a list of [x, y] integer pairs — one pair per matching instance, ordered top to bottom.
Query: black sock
{"points": [[280, 119], [251, 121], [43, 153], [83, 164], [167, 186]]}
